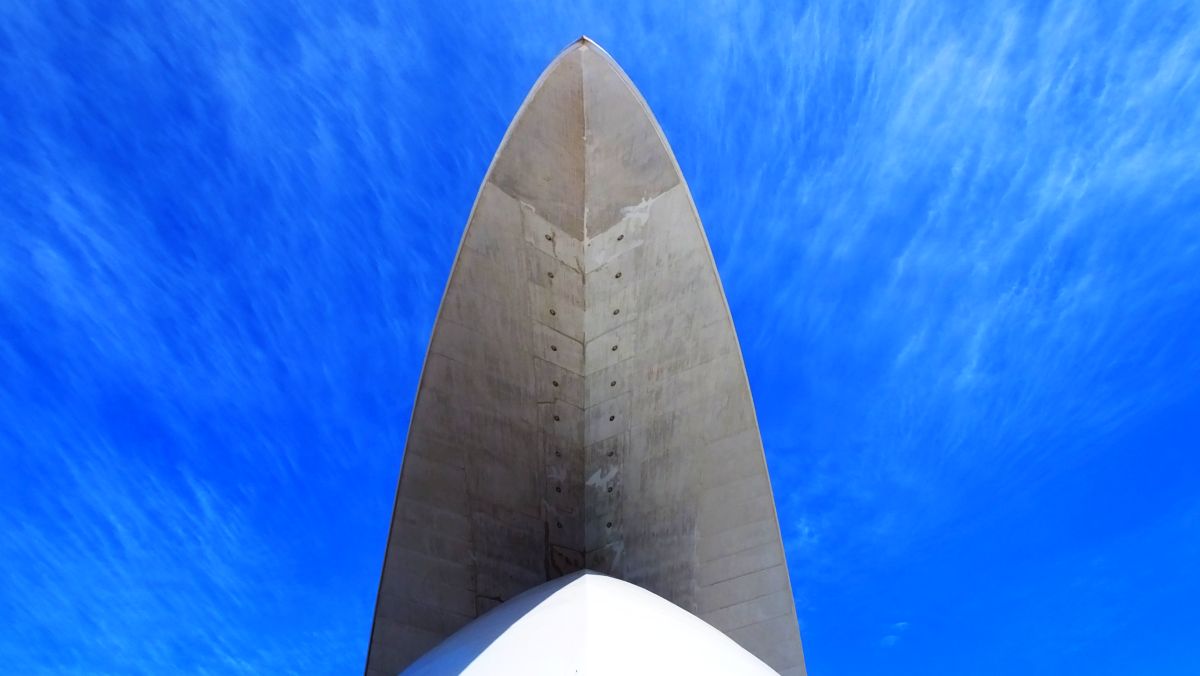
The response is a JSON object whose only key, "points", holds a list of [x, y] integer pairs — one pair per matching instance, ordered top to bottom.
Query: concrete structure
{"points": [[584, 402], [586, 623]]}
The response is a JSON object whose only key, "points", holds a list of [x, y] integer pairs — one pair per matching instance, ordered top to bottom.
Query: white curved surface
{"points": [[587, 623]]}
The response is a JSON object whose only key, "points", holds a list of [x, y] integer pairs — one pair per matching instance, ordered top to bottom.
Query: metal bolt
{"points": [[548, 237], [620, 237], [551, 274], [618, 275], [553, 312], [616, 312], [554, 348], [614, 348], [554, 383], [613, 384], [612, 418], [558, 454], [558, 489], [610, 489], [608, 525]]}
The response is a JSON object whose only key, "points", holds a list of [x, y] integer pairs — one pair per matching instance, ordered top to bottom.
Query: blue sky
{"points": [[960, 245]]}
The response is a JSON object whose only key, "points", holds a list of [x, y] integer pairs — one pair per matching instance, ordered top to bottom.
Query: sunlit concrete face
{"points": [[584, 401]]}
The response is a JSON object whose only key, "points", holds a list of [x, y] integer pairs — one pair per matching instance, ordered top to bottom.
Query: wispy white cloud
{"points": [[1002, 197], [958, 242]]}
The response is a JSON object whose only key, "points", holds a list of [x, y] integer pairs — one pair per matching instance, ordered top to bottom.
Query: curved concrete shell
{"points": [[584, 403], [585, 623]]}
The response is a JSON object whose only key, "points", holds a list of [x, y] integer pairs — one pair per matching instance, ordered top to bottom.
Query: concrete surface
{"points": [[584, 401]]}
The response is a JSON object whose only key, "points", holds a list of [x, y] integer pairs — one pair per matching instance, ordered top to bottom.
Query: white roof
{"points": [[588, 623]]}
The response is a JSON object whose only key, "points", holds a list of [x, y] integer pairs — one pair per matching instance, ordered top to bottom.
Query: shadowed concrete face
{"points": [[584, 401]]}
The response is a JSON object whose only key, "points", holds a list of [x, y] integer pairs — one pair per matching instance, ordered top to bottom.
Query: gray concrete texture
{"points": [[584, 403]]}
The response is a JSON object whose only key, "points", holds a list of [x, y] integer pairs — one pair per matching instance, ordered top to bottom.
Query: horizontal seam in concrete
{"points": [[524, 203], [471, 328], [573, 340], [693, 367], [609, 398], [437, 459], [422, 505], [770, 518], [739, 551], [738, 577], [726, 579], [744, 602], [435, 610], [763, 621], [754, 623]]}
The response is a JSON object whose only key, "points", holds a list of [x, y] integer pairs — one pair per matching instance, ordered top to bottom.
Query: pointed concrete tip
{"points": [[583, 41], [580, 44]]}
